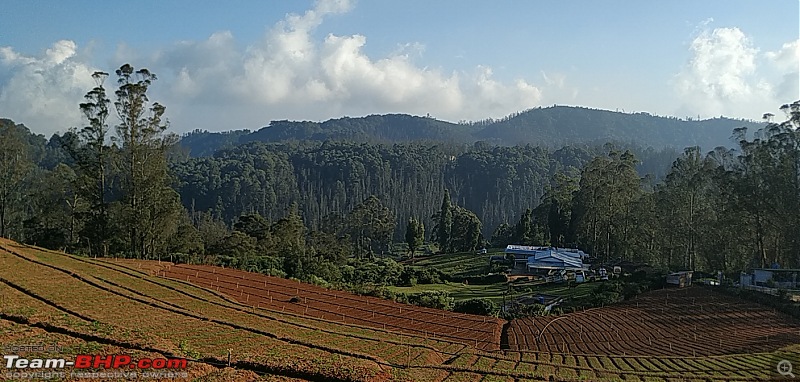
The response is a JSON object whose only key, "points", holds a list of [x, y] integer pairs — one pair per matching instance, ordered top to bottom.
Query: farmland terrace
{"points": [[283, 330]]}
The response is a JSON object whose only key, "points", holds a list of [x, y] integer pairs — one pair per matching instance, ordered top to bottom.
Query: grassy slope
{"points": [[459, 264], [465, 264]]}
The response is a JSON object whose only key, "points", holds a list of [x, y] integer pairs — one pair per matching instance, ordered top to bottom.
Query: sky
{"points": [[242, 64]]}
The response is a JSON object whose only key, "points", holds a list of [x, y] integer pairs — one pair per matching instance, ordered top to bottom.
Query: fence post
{"points": [[229, 357]]}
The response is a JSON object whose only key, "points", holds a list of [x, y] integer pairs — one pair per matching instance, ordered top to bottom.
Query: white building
{"points": [[547, 258]]}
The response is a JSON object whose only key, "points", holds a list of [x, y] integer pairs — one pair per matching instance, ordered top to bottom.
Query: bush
{"points": [[378, 272], [427, 275], [316, 280], [606, 293], [436, 299], [480, 306], [515, 311]]}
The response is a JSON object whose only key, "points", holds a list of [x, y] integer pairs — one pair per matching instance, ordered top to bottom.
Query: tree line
{"points": [[308, 208], [728, 209]]}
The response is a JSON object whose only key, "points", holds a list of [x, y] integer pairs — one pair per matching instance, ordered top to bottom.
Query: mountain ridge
{"points": [[548, 126]]}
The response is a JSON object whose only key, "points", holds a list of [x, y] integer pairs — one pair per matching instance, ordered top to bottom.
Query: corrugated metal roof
{"points": [[555, 260]]}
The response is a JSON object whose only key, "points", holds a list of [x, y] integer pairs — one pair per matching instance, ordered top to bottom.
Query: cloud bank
{"points": [[726, 75], [212, 84], [44, 92]]}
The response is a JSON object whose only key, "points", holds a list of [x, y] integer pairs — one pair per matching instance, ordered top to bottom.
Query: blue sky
{"points": [[243, 64]]}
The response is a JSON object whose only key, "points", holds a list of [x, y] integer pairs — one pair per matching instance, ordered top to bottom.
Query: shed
{"points": [[532, 257], [781, 278], [680, 279]]}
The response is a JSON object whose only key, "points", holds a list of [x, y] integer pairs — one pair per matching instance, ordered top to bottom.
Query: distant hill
{"points": [[552, 126]]}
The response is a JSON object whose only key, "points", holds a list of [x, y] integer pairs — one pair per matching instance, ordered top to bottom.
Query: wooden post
{"points": [[229, 357]]}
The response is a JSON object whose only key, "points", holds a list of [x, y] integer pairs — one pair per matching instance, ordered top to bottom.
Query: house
{"points": [[537, 259], [774, 277], [680, 279], [772, 280]]}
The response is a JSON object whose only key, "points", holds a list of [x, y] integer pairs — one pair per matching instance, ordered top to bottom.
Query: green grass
{"points": [[460, 264], [560, 289], [459, 291], [495, 291]]}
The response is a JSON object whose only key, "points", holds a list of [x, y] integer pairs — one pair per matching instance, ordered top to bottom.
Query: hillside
{"points": [[551, 126], [95, 306]]}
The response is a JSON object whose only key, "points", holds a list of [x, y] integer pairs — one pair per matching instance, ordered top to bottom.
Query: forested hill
{"points": [[555, 126]]}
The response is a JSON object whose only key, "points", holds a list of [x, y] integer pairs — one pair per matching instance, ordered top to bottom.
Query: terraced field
{"points": [[312, 301], [111, 307], [690, 321]]}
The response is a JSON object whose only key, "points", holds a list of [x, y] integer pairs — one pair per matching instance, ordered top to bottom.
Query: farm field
{"points": [[460, 264], [459, 291], [291, 296], [96, 306], [690, 321]]}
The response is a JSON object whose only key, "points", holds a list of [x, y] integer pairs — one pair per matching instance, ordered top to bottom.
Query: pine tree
{"points": [[445, 223], [415, 235]]}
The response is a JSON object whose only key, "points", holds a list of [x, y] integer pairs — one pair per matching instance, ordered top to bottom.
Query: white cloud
{"points": [[787, 62], [721, 65], [288, 74], [726, 75], [44, 92]]}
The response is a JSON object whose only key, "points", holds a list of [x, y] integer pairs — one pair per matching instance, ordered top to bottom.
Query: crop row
{"points": [[299, 298], [196, 300], [698, 322]]}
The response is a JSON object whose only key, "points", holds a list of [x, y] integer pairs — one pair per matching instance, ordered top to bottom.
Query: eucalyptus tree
{"points": [[91, 155], [15, 170], [151, 206], [415, 235]]}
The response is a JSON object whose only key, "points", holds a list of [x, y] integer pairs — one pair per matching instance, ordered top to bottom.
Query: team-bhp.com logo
{"points": [[84, 361]]}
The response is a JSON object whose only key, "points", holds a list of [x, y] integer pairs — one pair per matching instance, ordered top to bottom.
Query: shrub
{"points": [[606, 293], [431, 299], [479, 306], [516, 310]]}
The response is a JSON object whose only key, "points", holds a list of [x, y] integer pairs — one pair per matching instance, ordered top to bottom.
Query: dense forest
{"points": [[550, 127], [122, 185]]}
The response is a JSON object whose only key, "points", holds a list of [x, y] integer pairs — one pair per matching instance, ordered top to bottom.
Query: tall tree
{"points": [[91, 157], [15, 167], [557, 201], [685, 203], [54, 205], [152, 206], [602, 208], [444, 223], [371, 225], [466, 230], [523, 231], [415, 235], [503, 235]]}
